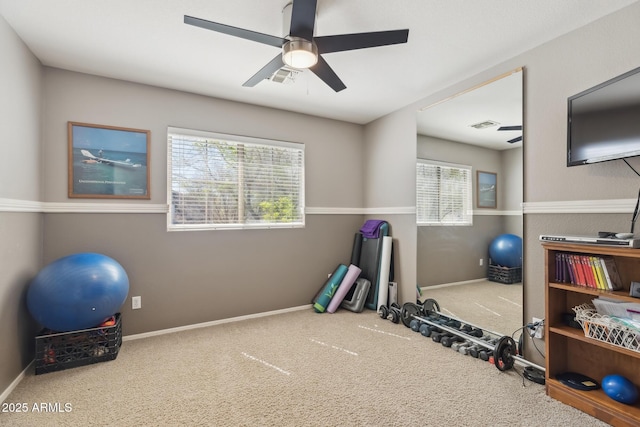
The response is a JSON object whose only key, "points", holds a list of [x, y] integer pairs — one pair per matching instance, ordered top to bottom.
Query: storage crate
{"points": [[504, 275], [56, 351]]}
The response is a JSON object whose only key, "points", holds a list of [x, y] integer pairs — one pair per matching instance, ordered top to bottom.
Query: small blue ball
{"points": [[620, 389]]}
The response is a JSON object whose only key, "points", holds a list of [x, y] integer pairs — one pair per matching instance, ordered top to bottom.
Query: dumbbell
{"points": [[393, 312], [396, 312], [415, 324], [426, 329], [430, 330], [470, 330], [476, 332], [437, 336], [448, 337], [448, 341], [456, 346], [464, 347], [474, 350], [485, 354]]}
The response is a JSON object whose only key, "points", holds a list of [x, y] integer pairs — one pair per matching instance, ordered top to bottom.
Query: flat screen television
{"points": [[604, 121]]}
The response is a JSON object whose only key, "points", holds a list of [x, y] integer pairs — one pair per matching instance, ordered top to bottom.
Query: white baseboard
{"points": [[213, 323], [15, 382]]}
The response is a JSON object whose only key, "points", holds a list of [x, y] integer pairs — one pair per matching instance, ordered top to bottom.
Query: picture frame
{"points": [[108, 162], [486, 190]]}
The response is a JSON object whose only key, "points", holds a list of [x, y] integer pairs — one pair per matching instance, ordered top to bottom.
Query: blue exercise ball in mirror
{"points": [[506, 250]]}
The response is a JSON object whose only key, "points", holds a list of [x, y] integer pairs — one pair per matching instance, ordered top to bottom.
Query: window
{"points": [[221, 181], [443, 193]]}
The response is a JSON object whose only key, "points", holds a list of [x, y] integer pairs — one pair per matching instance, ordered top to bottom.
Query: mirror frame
{"points": [[500, 209]]}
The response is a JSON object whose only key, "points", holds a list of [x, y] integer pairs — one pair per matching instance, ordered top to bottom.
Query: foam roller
{"points": [[349, 279]]}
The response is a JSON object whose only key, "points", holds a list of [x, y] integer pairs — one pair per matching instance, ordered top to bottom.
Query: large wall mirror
{"points": [[471, 144]]}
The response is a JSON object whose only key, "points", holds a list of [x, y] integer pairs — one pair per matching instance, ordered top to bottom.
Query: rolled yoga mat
{"points": [[385, 266], [349, 279], [330, 288]]}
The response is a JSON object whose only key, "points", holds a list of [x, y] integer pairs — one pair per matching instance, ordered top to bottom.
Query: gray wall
{"points": [[553, 72], [90, 99], [381, 153], [20, 178], [389, 190], [452, 254], [192, 277]]}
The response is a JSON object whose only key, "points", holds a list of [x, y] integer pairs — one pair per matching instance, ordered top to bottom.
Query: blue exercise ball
{"points": [[506, 250], [78, 291], [620, 389]]}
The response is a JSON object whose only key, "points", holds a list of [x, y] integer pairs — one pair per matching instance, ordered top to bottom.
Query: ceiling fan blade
{"points": [[303, 19], [235, 31], [342, 42], [265, 72], [327, 75], [517, 127], [511, 141]]}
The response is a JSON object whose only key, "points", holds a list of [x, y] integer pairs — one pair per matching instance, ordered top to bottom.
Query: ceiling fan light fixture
{"points": [[299, 53]]}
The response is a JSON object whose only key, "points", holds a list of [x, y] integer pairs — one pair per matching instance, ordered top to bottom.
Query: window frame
{"points": [[238, 139], [468, 216]]}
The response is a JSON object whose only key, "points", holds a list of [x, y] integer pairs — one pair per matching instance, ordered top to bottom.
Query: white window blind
{"points": [[224, 181], [443, 193]]}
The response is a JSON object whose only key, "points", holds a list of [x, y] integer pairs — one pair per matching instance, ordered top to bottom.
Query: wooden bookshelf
{"points": [[569, 350]]}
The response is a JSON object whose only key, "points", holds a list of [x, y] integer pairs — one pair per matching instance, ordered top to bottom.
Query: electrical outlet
{"points": [[481, 262], [136, 303], [539, 328]]}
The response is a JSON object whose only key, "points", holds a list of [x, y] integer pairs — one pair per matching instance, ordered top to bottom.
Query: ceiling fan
{"points": [[300, 49], [516, 127]]}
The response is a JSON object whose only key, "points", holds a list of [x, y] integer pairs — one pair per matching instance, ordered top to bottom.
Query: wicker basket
{"points": [[611, 330]]}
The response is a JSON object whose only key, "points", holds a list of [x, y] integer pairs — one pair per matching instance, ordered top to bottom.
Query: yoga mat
{"points": [[357, 248], [385, 265], [349, 279], [330, 288]]}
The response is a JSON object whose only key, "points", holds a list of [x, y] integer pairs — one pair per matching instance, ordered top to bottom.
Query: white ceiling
{"points": [[146, 41], [498, 101]]}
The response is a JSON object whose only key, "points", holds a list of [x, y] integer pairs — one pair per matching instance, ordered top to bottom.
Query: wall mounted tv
{"points": [[604, 121]]}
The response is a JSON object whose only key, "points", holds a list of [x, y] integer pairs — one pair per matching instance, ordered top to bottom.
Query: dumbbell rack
{"points": [[504, 352]]}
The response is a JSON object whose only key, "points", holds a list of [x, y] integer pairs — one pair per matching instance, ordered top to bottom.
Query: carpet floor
{"points": [[491, 305], [293, 369]]}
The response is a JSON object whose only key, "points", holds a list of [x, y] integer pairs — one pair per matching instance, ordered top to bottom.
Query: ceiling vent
{"points": [[284, 75], [485, 124]]}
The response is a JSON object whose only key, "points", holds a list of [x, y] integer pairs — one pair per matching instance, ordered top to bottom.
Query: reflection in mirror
{"points": [[477, 133]]}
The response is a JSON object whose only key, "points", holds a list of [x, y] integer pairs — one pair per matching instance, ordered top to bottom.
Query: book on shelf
{"points": [[591, 271]]}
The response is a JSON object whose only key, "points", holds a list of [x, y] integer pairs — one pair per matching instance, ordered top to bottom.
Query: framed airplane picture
{"points": [[108, 162], [487, 189]]}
